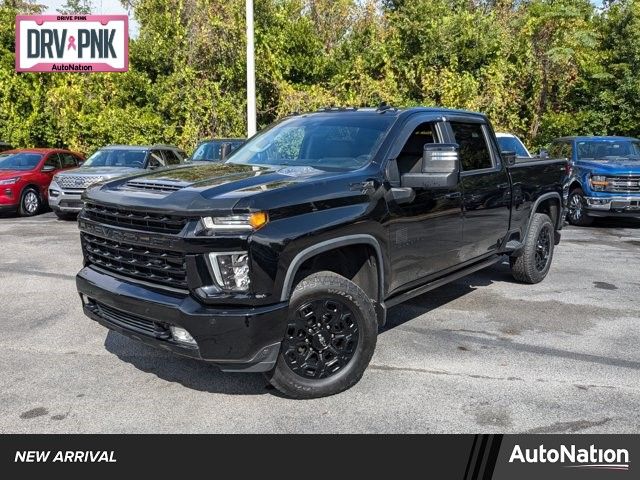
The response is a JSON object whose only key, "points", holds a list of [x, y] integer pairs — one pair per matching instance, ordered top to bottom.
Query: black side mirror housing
{"points": [[509, 157], [440, 168]]}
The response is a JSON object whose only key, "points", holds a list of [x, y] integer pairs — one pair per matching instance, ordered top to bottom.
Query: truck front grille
{"points": [[77, 182], [619, 184], [147, 221], [148, 264], [130, 321]]}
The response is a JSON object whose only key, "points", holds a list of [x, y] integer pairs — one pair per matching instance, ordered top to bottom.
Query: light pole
{"points": [[251, 73]]}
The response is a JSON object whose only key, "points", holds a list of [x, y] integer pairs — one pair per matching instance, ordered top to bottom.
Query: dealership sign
{"points": [[72, 43]]}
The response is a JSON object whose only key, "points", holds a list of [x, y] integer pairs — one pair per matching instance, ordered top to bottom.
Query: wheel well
{"points": [[574, 185], [33, 187], [551, 207], [357, 262]]}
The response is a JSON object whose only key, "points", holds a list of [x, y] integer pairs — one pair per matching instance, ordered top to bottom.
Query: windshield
{"points": [[340, 141], [512, 144], [601, 149], [208, 152], [117, 158], [20, 161]]}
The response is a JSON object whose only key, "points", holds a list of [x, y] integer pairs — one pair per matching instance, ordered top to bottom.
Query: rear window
{"points": [[512, 144], [117, 158]]}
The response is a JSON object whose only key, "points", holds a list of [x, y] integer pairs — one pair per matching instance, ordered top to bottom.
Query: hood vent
{"points": [[153, 186]]}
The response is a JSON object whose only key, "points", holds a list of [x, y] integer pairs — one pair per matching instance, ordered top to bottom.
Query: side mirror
{"points": [[544, 153], [509, 157], [80, 163], [440, 167], [48, 168]]}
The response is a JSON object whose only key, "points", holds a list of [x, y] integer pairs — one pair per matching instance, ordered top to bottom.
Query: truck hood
{"points": [[611, 166], [106, 172], [215, 187]]}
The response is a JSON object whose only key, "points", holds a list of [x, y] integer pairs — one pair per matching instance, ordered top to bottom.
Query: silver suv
{"points": [[107, 163]]}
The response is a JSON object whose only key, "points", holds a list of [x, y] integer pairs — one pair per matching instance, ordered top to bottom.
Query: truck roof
{"points": [[387, 110], [596, 138]]}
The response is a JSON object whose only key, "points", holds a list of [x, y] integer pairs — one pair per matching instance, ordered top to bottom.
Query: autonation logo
{"points": [[590, 458]]}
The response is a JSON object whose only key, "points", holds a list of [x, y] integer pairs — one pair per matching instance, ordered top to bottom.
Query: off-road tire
{"points": [[540, 241], [324, 289]]}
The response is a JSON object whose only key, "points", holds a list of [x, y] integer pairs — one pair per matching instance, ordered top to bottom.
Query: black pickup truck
{"points": [[285, 258]]}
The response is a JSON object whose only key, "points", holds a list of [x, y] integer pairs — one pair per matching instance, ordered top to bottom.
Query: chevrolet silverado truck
{"points": [[604, 179], [285, 258]]}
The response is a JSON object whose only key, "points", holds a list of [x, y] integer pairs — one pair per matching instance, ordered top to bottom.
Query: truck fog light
{"points": [[53, 193], [231, 270], [85, 299], [182, 336]]}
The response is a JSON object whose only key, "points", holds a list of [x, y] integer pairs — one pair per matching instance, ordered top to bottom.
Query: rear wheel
{"points": [[30, 202], [577, 209], [534, 263], [331, 335]]}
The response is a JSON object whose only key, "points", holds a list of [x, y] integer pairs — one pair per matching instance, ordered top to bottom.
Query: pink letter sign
{"points": [[72, 43]]}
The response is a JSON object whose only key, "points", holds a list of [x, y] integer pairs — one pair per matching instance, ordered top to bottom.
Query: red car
{"points": [[25, 175]]}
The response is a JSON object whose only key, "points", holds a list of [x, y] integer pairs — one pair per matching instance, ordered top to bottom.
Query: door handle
{"points": [[452, 195]]}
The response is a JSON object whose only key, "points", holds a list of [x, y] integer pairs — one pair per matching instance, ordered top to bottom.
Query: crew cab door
{"points": [[486, 187], [425, 228]]}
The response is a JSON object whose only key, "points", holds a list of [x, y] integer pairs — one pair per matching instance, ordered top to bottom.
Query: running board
{"points": [[441, 281]]}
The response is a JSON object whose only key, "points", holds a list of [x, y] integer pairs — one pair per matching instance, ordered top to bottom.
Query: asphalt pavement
{"points": [[483, 354]]}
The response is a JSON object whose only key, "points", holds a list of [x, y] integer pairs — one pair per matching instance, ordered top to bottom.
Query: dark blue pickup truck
{"points": [[604, 179]]}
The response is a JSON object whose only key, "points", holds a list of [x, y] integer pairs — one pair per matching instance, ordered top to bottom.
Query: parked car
{"points": [[509, 142], [5, 146], [215, 150], [109, 162], [25, 175], [604, 180], [285, 258]]}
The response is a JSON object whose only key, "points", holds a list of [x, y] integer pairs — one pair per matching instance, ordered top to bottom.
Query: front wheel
{"points": [[30, 203], [577, 209], [533, 264], [331, 335]]}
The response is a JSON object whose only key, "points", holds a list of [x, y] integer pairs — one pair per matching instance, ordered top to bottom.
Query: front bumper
{"points": [[64, 201], [613, 206], [235, 339]]}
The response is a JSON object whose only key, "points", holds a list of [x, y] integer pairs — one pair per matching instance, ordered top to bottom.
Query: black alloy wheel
{"points": [[321, 338]]}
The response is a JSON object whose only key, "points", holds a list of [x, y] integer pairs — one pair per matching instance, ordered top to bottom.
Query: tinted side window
{"points": [[474, 151], [171, 157], [155, 159], [68, 160], [53, 161]]}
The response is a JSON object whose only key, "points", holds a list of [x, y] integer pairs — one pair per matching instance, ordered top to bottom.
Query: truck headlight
{"points": [[598, 182], [233, 223], [231, 270]]}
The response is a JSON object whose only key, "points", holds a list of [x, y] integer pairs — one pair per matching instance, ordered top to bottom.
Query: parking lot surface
{"points": [[483, 354]]}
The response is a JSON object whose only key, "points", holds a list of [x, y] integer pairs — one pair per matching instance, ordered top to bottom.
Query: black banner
{"points": [[460, 457]]}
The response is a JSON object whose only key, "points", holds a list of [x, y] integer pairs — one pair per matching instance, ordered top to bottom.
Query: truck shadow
{"points": [[425, 303], [189, 373], [202, 377]]}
